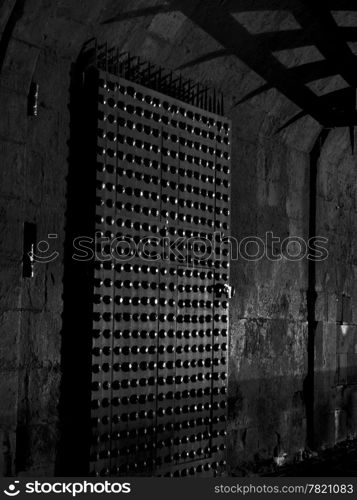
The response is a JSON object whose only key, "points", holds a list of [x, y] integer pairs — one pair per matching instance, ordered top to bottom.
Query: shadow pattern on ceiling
{"points": [[318, 28]]}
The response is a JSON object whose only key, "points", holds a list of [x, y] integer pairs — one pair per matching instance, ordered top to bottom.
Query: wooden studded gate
{"points": [[160, 314]]}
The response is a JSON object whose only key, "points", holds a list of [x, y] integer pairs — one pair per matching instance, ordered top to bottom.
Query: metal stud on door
{"points": [[160, 311]]}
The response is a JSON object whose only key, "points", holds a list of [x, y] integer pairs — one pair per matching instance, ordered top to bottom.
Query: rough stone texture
{"points": [[270, 183], [268, 340], [336, 341]]}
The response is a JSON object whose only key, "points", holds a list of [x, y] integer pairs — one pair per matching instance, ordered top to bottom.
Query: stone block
{"points": [[5, 11], [83, 13], [34, 21], [167, 25], [65, 35], [19, 65], [51, 69], [13, 124], [247, 129], [44, 131], [244, 156], [297, 165], [12, 170], [11, 231], [10, 284], [33, 295], [278, 301], [245, 303], [334, 309], [346, 309], [9, 337], [346, 338], [40, 339], [329, 360], [342, 367], [351, 368], [9, 399], [351, 414], [324, 424], [340, 425], [37, 448], [7, 451]]}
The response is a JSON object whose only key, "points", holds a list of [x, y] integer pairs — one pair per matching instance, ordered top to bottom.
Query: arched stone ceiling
{"points": [[275, 40]]}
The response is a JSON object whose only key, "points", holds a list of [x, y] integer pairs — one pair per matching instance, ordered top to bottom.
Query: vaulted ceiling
{"points": [[288, 59]]}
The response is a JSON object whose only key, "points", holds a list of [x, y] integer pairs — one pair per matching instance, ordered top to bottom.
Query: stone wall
{"points": [[268, 335], [336, 341]]}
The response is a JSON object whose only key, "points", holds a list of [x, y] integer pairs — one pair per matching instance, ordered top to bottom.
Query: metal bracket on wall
{"points": [[32, 99], [30, 231]]}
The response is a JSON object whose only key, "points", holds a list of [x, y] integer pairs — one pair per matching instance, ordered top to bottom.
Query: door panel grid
{"points": [[160, 326]]}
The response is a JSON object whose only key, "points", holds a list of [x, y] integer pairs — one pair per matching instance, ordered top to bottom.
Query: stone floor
{"points": [[340, 461]]}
